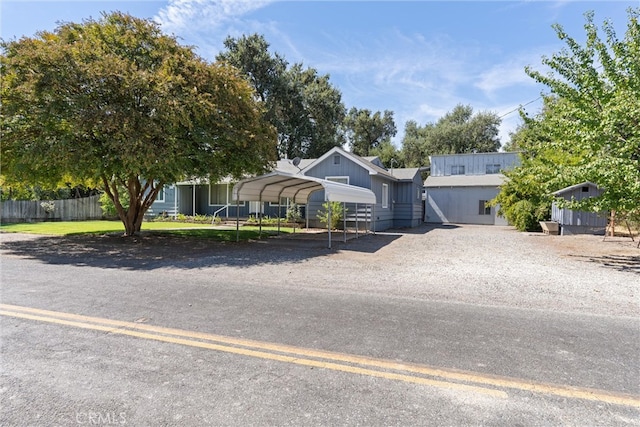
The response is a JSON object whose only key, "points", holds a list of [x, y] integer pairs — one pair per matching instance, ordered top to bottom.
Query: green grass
{"points": [[68, 228]]}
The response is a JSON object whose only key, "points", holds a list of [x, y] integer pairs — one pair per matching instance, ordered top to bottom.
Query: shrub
{"points": [[337, 212], [293, 213]]}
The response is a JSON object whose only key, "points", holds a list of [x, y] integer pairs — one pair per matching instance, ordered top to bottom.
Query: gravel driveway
{"points": [[486, 265]]}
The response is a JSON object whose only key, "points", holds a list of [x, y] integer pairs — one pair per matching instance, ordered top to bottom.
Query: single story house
{"points": [[460, 185], [398, 192], [579, 222]]}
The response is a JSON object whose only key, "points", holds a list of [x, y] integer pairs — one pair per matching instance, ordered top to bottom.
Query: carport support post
{"points": [[259, 213], [238, 220], [356, 220], [344, 221], [329, 222]]}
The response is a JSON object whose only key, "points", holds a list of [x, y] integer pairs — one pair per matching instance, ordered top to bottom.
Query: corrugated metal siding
{"points": [[474, 164], [459, 205], [568, 217]]}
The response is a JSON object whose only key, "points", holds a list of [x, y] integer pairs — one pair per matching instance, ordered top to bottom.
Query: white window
{"points": [[493, 168], [457, 170], [341, 179], [221, 194], [385, 195], [160, 196], [284, 201], [483, 209]]}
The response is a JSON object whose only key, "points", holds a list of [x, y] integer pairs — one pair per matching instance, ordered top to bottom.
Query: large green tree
{"points": [[117, 103], [304, 107], [595, 112], [366, 130], [458, 131], [525, 198]]}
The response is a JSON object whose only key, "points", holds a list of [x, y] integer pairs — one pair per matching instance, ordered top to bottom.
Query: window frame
{"points": [[495, 168], [458, 170], [338, 179], [385, 196], [160, 197], [229, 201], [483, 209]]}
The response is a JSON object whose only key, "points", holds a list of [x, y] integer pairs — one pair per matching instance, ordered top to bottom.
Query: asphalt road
{"points": [[85, 345]]}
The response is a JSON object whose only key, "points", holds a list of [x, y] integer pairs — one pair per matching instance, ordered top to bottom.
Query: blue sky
{"points": [[418, 59]]}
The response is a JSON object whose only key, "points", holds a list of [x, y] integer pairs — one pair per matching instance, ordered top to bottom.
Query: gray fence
{"points": [[64, 210]]}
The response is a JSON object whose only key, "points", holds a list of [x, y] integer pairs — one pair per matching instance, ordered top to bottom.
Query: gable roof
{"points": [[361, 161], [405, 174], [575, 187]]}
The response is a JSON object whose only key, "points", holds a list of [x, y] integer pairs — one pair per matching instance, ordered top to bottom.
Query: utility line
{"points": [[519, 107]]}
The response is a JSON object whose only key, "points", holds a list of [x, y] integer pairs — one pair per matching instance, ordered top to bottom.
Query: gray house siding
{"points": [[474, 164], [358, 176], [470, 179], [459, 205], [408, 206], [401, 207], [579, 222]]}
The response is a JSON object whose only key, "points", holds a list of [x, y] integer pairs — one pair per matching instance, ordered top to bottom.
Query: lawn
{"points": [[68, 228]]}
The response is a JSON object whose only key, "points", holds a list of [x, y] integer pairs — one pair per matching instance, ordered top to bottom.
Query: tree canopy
{"points": [[117, 103], [304, 107], [589, 129], [366, 130], [458, 131]]}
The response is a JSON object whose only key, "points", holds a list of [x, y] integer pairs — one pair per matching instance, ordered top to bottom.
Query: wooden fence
{"points": [[85, 208]]}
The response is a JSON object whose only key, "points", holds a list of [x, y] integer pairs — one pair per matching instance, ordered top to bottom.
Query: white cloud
{"points": [[182, 16]]}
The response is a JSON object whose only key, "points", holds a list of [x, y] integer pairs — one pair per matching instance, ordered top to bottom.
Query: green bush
{"points": [[109, 208], [293, 213], [337, 213]]}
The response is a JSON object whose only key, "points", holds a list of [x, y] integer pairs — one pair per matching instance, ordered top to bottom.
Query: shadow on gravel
{"points": [[152, 251], [626, 263]]}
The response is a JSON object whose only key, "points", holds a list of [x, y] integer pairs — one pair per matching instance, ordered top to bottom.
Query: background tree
{"points": [[117, 103], [303, 106], [366, 130], [458, 131], [414, 147], [525, 198]]}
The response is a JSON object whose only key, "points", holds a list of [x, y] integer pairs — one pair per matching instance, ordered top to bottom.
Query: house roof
{"points": [[366, 164], [405, 174], [489, 180], [276, 185], [574, 187]]}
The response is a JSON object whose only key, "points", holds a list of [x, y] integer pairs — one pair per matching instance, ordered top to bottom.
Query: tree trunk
{"points": [[140, 199]]}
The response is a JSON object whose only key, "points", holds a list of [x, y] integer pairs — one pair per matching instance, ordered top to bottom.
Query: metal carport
{"points": [[276, 185]]}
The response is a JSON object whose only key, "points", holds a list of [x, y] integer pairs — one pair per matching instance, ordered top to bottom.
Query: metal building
{"points": [[579, 222]]}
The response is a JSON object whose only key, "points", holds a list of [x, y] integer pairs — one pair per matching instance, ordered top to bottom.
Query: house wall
{"points": [[474, 164], [360, 177], [167, 205], [459, 205], [403, 207], [408, 210]]}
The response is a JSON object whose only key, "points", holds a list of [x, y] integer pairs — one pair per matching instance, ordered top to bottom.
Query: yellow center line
{"points": [[297, 355]]}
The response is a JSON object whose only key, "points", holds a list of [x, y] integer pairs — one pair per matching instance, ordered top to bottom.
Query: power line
{"points": [[520, 106]]}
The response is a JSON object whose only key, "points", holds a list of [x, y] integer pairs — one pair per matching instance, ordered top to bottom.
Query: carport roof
{"points": [[275, 185]]}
